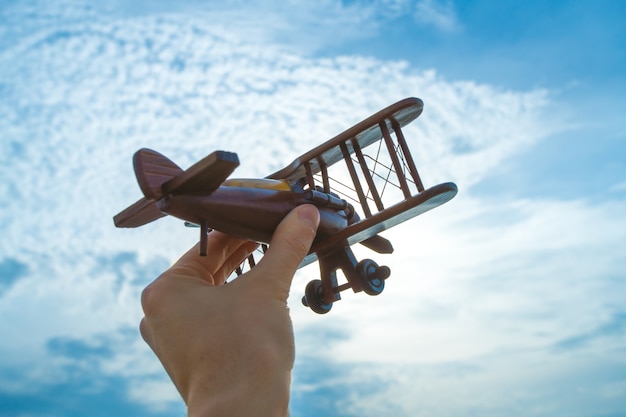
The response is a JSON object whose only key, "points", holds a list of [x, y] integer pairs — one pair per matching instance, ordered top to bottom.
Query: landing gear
{"points": [[365, 276], [371, 276], [314, 297]]}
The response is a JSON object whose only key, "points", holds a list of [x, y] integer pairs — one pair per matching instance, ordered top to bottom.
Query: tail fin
{"points": [[152, 171], [158, 176], [142, 212]]}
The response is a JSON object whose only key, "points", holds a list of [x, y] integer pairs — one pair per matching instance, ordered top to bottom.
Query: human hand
{"points": [[229, 349]]}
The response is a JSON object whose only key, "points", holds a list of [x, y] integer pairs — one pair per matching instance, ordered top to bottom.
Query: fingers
{"points": [[290, 244], [224, 254], [233, 262]]}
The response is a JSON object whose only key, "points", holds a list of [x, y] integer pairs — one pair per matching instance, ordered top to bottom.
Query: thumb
{"points": [[290, 244]]}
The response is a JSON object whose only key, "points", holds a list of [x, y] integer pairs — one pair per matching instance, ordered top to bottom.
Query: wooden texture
{"points": [[366, 132], [152, 171], [205, 176], [142, 212]]}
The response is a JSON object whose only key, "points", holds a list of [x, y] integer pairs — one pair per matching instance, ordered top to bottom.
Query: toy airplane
{"points": [[384, 186]]}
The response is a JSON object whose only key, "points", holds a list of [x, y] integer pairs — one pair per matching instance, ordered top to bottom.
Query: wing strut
{"points": [[407, 155], [394, 158], [324, 171], [367, 174], [309, 175], [355, 179]]}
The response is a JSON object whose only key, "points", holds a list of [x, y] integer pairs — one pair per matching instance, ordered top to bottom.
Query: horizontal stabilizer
{"points": [[205, 176], [142, 212], [378, 244]]}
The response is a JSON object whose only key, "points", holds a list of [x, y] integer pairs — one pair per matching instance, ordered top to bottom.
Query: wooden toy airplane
{"points": [[358, 194]]}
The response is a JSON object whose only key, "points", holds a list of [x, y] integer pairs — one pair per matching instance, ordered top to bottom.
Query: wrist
{"points": [[266, 399]]}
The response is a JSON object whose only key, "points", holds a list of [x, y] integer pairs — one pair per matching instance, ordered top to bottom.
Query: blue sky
{"points": [[509, 300]]}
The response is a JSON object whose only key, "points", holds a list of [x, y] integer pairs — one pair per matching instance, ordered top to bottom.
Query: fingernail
{"points": [[308, 213]]}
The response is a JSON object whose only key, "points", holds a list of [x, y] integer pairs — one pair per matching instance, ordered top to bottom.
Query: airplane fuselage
{"points": [[249, 212]]}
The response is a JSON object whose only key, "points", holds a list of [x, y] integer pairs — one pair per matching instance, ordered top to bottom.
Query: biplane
{"points": [[359, 192]]}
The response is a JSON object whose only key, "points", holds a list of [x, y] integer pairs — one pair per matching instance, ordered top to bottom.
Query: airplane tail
{"points": [[158, 176]]}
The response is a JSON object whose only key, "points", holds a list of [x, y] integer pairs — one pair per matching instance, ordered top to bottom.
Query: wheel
{"points": [[371, 276], [314, 297]]}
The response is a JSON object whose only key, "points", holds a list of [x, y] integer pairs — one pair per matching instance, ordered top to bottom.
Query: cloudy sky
{"points": [[509, 300]]}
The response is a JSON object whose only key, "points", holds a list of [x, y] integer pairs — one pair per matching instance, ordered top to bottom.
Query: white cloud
{"points": [[439, 14], [619, 187], [476, 278], [461, 289], [515, 383], [145, 392]]}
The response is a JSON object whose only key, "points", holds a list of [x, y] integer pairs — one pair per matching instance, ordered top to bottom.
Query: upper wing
{"points": [[365, 133], [372, 178]]}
